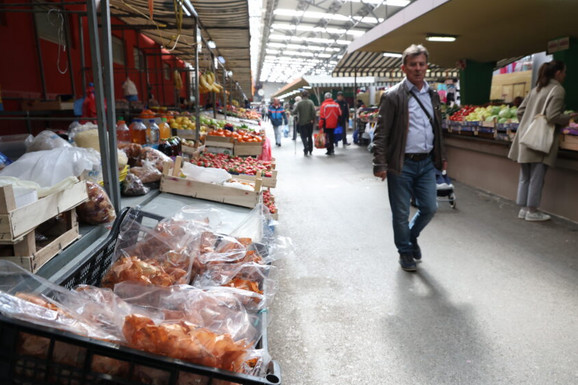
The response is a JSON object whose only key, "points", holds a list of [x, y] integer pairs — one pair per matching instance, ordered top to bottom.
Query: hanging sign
{"points": [[558, 45]]}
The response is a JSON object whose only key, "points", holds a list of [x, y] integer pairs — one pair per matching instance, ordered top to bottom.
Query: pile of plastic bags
{"points": [[176, 288]]}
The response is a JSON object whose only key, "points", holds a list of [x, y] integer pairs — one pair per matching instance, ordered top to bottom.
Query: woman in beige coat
{"points": [[534, 164]]}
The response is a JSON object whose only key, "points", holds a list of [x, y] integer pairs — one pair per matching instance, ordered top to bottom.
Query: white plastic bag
{"points": [[46, 140], [48, 168], [204, 174]]}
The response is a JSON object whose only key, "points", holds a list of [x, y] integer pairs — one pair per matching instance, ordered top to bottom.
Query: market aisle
{"points": [[494, 302]]}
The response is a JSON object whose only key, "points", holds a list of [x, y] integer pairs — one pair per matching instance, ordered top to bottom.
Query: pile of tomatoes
{"points": [[462, 113], [241, 136], [235, 164], [269, 201]]}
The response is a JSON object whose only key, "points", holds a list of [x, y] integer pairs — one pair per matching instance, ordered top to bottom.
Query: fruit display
{"points": [[208, 84], [243, 113], [491, 113], [369, 115], [460, 115], [181, 123], [240, 135], [235, 164], [269, 201]]}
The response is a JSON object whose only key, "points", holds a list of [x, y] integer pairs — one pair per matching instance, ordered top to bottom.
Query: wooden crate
{"points": [[185, 134], [212, 140], [569, 142], [248, 149], [192, 152], [267, 181], [172, 183], [18, 222], [31, 254]]}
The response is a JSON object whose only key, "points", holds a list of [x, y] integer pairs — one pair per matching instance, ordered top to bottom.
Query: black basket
{"points": [[94, 357]]}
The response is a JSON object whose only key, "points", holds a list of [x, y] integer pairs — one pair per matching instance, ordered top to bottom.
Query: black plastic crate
{"points": [[93, 358]]}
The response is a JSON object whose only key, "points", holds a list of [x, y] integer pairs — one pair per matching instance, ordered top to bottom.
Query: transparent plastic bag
{"points": [[76, 127], [45, 140], [154, 157], [47, 168], [147, 173], [204, 174], [133, 186], [98, 209], [158, 254], [253, 277], [31, 298], [220, 311]]}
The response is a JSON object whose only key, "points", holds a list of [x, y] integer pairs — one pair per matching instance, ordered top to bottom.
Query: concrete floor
{"points": [[495, 300]]}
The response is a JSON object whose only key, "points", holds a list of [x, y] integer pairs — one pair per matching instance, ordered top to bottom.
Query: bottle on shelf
{"points": [[164, 129], [122, 131], [138, 132], [153, 133]]}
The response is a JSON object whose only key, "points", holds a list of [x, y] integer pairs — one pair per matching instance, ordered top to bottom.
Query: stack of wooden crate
{"points": [[34, 233]]}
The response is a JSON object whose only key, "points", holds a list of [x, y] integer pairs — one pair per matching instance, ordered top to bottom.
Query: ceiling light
{"points": [[440, 38], [211, 44], [392, 54]]}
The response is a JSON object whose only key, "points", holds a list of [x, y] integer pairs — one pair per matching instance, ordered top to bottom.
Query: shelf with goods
{"points": [[497, 122], [140, 157]]}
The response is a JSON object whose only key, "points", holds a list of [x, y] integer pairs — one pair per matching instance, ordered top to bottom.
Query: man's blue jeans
{"points": [[417, 179]]}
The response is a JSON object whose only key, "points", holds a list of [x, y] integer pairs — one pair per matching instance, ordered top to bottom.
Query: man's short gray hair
{"points": [[414, 50], [328, 95]]}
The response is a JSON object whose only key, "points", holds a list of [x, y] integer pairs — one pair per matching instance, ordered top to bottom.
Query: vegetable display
{"points": [[235, 164], [269, 201]]}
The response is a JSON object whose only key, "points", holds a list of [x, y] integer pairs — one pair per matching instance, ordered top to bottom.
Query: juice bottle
{"points": [[165, 129], [122, 132], [138, 132], [153, 133]]}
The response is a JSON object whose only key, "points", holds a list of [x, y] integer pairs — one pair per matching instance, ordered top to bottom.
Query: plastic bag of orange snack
{"points": [[158, 254], [219, 311]]}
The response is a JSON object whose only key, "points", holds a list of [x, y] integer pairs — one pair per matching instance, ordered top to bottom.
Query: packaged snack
{"points": [[98, 209]]}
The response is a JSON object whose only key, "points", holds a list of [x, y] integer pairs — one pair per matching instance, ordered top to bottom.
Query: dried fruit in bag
{"points": [[98, 209], [147, 272], [184, 341]]}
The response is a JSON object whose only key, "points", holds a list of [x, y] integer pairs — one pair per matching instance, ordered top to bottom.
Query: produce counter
{"points": [[483, 163]]}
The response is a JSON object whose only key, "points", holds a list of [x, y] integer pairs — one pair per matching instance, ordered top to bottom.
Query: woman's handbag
{"points": [[540, 134], [320, 139]]}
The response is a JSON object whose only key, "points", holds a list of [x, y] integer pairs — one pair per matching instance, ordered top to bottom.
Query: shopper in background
{"points": [[264, 111], [305, 112], [329, 114], [295, 116], [278, 117], [344, 118], [408, 149], [534, 164]]}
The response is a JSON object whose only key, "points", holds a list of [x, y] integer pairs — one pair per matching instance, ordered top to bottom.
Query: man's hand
{"points": [[444, 165], [381, 174]]}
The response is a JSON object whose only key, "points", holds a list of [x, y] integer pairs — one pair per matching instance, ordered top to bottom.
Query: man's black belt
{"points": [[417, 156]]}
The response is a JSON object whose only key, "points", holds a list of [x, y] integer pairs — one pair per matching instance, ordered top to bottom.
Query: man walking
{"points": [[305, 113], [329, 114], [278, 117], [295, 117], [344, 118], [408, 148]]}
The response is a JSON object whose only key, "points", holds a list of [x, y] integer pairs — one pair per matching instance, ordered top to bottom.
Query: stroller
{"points": [[445, 189]]}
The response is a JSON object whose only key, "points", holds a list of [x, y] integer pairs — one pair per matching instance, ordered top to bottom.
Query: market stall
{"points": [[479, 133], [160, 159]]}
